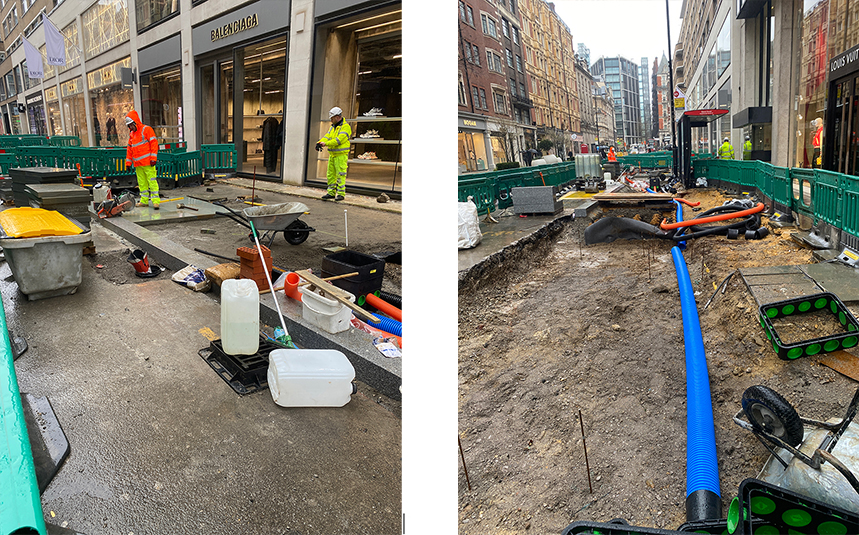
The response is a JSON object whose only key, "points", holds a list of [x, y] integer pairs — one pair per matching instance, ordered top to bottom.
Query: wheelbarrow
{"points": [[272, 219], [774, 421]]}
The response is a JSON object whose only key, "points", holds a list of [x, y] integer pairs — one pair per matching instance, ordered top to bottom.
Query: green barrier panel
{"points": [[64, 141], [38, 156], [221, 158], [88, 159], [7, 161], [112, 162], [178, 169], [802, 181], [781, 185], [503, 188], [481, 191], [827, 195], [850, 207], [20, 501]]}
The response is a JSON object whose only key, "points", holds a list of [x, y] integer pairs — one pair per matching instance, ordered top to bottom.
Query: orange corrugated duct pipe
{"points": [[712, 219], [386, 307]]}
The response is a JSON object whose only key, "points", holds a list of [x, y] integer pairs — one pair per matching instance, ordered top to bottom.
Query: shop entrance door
{"points": [[845, 139]]}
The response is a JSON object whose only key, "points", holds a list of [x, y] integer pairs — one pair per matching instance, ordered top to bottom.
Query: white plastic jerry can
{"points": [[240, 317], [310, 378]]}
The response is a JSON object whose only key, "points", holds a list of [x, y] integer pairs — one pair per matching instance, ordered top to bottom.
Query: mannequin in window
{"points": [[97, 131], [112, 135], [816, 142], [270, 143]]}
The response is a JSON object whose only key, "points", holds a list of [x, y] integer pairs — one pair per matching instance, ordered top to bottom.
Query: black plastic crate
{"points": [[370, 269], [245, 374]]}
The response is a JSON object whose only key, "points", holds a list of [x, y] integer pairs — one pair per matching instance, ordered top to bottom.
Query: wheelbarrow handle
{"points": [[234, 218]]}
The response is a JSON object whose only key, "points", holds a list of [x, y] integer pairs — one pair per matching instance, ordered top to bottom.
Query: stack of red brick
{"points": [[252, 267]]}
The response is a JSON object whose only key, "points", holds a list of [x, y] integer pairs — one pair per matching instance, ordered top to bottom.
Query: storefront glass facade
{"points": [[826, 29], [360, 70], [161, 101], [110, 103], [74, 110], [36, 115], [472, 151]]}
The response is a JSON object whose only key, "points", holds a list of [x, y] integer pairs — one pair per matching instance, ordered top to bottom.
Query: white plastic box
{"points": [[48, 266], [328, 314], [310, 378]]}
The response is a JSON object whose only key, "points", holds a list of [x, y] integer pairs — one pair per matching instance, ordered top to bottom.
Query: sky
{"points": [[630, 28]]}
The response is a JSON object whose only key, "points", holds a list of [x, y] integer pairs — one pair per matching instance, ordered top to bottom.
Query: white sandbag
{"points": [[469, 226]]}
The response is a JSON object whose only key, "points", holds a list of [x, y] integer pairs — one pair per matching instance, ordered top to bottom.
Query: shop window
{"points": [[151, 11], [105, 25], [18, 80], [161, 102], [110, 103], [262, 105], [74, 109], [52, 110], [472, 152]]}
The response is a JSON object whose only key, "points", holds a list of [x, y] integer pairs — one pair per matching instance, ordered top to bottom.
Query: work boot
{"points": [[327, 197], [339, 198], [142, 204], [155, 206]]}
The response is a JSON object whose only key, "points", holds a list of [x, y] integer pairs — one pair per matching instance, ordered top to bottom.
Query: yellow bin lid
{"points": [[36, 222]]}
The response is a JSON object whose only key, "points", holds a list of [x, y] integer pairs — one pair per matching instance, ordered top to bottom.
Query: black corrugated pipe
{"points": [[393, 299]]}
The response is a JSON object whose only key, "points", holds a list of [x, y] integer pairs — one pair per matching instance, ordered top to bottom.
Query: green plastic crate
{"points": [[803, 305]]}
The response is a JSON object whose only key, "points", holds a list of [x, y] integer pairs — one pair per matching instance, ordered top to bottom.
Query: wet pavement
{"points": [[161, 444]]}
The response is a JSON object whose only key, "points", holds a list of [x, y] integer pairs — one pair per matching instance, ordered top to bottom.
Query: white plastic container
{"points": [[48, 266], [329, 315], [240, 317], [310, 378]]}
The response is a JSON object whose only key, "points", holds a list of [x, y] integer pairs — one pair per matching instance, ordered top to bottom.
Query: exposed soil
{"points": [[561, 327]]}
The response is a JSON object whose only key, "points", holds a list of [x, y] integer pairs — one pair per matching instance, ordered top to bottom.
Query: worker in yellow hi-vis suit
{"points": [[337, 142]]}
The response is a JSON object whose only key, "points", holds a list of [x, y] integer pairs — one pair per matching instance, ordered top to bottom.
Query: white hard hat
{"points": [[335, 111], [129, 120], [726, 139]]}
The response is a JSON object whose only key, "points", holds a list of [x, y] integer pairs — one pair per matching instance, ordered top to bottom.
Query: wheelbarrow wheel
{"points": [[293, 235], [768, 411]]}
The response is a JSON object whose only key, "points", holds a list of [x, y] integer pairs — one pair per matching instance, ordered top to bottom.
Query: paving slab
{"points": [[837, 278]]}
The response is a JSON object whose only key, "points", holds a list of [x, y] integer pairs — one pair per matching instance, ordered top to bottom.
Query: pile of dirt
{"points": [[597, 330]]}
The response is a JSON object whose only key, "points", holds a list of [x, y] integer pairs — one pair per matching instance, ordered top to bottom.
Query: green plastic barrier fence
{"points": [[64, 141], [172, 147], [37, 156], [218, 159], [7, 161], [112, 162], [178, 169], [482, 192], [20, 501]]}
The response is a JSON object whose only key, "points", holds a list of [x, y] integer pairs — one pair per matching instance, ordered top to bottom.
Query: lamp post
{"points": [[671, 87]]}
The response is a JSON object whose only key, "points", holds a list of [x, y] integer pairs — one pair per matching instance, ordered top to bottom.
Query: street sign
{"points": [[679, 99]]}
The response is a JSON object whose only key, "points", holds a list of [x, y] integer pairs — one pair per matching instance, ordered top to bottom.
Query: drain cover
{"points": [[245, 374]]}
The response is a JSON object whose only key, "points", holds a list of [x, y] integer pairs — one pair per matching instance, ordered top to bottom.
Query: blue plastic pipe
{"points": [[682, 244], [388, 325], [703, 499], [20, 501]]}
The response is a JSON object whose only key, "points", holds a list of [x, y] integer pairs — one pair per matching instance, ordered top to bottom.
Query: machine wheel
{"points": [[296, 237], [768, 411]]}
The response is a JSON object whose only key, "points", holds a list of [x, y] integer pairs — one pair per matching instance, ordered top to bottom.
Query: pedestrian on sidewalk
{"points": [[337, 142], [142, 154]]}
